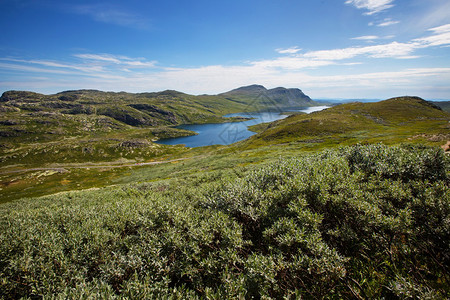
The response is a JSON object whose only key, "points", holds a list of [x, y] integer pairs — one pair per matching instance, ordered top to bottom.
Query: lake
{"points": [[229, 133]]}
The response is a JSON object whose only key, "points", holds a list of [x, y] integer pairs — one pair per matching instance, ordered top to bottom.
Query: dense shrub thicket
{"points": [[358, 222]]}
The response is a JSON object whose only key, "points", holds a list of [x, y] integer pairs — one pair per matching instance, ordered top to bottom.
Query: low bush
{"points": [[357, 222]]}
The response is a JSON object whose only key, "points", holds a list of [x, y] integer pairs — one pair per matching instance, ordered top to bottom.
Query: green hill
{"points": [[31, 117], [390, 121], [37, 128], [49, 142]]}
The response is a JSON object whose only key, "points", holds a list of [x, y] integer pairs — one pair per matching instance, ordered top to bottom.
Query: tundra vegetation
{"points": [[313, 206], [354, 222]]}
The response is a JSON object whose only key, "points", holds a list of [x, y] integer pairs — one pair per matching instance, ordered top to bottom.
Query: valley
{"points": [[71, 140]]}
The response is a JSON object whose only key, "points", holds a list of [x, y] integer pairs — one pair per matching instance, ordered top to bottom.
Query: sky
{"points": [[338, 49]]}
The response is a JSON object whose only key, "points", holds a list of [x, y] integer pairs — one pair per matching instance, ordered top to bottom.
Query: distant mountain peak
{"points": [[251, 88], [276, 97]]}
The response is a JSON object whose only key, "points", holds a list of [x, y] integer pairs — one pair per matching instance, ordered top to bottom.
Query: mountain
{"points": [[260, 97], [390, 121]]}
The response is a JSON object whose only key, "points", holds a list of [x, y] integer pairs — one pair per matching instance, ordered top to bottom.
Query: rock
{"points": [[20, 95], [134, 144]]}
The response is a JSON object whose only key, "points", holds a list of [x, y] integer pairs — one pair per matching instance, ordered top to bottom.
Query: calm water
{"points": [[228, 133]]}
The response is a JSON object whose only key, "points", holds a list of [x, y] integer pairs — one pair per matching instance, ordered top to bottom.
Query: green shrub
{"points": [[357, 222]]}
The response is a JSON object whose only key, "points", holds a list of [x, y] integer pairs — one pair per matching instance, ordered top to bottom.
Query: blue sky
{"points": [[328, 48]]}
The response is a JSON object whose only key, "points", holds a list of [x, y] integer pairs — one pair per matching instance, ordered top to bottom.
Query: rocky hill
{"points": [[259, 96], [143, 109]]}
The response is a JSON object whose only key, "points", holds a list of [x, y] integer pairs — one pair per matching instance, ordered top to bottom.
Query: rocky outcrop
{"points": [[23, 96]]}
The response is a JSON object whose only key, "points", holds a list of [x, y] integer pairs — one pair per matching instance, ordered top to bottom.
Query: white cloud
{"points": [[373, 6], [432, 14], [387, 22], [441, 29], [366, 37], [370, 38], [440, 38], [291, 50], [392, 50], [108, 58], [321, 58], [120, 60], [292, 62], [53, 64], [22, 68], [424, 82]]}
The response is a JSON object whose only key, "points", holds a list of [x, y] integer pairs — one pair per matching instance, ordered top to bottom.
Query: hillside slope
{"points": [[392, 120]]}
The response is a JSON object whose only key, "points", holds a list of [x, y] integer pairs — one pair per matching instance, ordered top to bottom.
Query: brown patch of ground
{"points": [[432, 137]]}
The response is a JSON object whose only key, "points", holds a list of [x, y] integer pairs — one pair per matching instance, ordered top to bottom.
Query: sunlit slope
{"points": [[393, 120]]}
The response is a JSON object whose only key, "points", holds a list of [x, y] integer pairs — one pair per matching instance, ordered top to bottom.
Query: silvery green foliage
{"points": [[357, 222]]}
